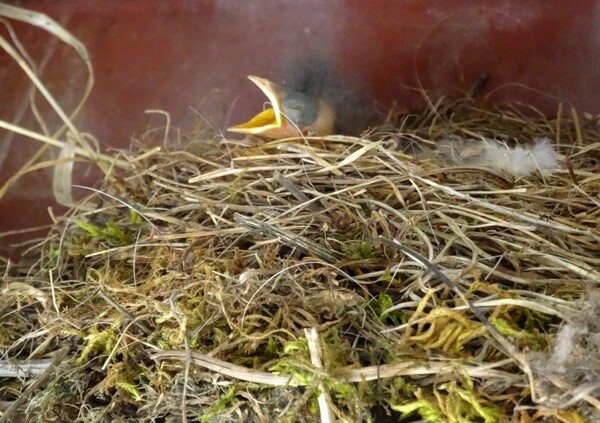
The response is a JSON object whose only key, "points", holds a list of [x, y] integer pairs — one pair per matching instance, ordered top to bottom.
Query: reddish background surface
{"points": [[177, 55]]}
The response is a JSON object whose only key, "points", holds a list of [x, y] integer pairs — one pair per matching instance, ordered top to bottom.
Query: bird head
{"points": [[291, 114]]}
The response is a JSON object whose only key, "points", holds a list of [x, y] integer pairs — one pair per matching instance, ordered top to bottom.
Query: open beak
{"points": [[292, 114], [270, 122]]}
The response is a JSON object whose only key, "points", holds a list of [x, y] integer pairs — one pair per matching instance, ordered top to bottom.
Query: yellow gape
{"points": [[291, 114]]}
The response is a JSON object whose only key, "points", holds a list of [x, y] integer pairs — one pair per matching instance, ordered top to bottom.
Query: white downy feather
{"points": [[518, 161]]}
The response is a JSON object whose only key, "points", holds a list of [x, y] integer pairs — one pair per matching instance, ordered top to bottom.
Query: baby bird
{"points": [[312, 102]]}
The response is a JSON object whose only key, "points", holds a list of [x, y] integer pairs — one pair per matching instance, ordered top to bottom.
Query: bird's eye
{"points": [[294, 106], [300, 109], [293, 114]]}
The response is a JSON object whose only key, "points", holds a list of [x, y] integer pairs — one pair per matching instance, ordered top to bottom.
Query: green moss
{"points": [[135, 218], [111, 233], [358, 250], [383, 302], [532, 340], [98, 342], [299, 345], [294, 370], [130, 389], [225, 401], [451, 403], [424, 408]]}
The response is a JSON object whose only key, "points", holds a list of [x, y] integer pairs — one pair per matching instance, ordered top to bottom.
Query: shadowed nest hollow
{"points": [[303, 280]]}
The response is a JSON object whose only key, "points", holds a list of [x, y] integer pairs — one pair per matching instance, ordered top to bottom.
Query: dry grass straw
{"points": [[71, 142], [330, 279], [197, 285]]}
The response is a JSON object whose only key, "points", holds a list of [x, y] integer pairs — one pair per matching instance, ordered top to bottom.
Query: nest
{"points": [[318, 279]]}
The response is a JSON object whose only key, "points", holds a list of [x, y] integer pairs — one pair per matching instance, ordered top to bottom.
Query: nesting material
{"points": [[521, 160], [327, 278], [573, 357]]}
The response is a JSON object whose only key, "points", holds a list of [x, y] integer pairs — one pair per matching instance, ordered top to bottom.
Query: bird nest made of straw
{"points": [[322, 279]]}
